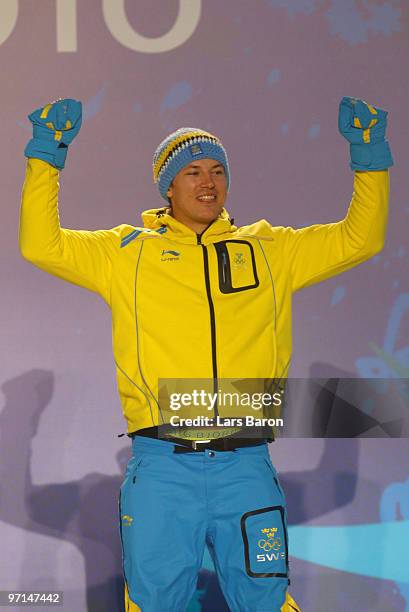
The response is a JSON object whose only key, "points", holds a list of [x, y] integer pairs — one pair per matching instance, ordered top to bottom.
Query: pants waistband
{"points": [[167, 447]]}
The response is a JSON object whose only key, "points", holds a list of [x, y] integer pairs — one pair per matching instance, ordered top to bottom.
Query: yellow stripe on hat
{"points": [[372, 110], [45, 111], [357, 123], [58, 135], [367, 135], [174, 144]]}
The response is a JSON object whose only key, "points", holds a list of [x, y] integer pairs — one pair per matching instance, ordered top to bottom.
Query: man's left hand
{"points": [[364, 126]]}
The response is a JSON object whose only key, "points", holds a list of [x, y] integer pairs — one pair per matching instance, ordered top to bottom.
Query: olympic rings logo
{"points": [[268, 545]]}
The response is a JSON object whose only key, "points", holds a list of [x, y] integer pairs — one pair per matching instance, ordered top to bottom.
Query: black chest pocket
{"points": [[236, 266]]}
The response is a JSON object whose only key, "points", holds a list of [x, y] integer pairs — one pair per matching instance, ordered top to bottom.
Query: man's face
{"points": [[198, 193]]}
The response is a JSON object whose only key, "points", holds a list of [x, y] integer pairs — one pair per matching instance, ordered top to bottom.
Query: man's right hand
{"points": [[54, 128]]}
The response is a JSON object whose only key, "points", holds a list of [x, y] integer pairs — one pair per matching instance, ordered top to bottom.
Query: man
{"points": [[195, 297]]}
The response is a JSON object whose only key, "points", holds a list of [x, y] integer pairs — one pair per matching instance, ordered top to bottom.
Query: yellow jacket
{"points": [[180, 309]]}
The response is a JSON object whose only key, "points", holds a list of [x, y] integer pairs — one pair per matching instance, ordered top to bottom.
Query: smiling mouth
{"points": [[206, 198]]}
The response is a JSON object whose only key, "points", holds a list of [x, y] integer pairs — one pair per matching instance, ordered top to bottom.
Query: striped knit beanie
{"points": [[179, 149]]}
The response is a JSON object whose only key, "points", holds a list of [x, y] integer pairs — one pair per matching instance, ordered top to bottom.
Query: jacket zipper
{"points": [[224, 268], [212, 319]]}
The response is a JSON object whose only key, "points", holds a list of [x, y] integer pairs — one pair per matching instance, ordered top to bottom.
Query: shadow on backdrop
{"points": [[85, 512]]}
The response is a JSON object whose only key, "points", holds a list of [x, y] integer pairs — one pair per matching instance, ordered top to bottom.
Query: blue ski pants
{"points": [[172, 505]]}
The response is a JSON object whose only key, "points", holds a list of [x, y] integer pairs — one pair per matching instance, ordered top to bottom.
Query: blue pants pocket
{"points": [[265, 542]]}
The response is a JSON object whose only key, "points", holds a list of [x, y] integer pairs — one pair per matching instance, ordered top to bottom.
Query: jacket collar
{"points": [[159, 217]]}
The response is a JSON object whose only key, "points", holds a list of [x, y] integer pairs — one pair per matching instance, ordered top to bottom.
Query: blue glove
{"points": [[364, 127], [54, 128]]}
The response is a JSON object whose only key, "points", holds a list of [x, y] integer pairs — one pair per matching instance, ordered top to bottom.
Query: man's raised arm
{"points": [[320, 251], [81, 257]]}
